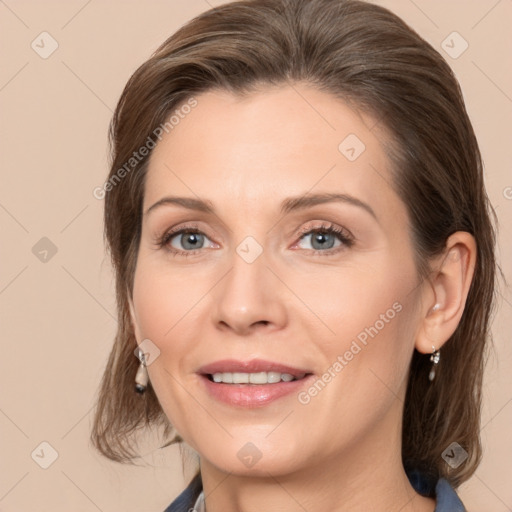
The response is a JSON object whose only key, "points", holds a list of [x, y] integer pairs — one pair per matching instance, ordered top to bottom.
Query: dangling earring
{"points": [[435, 357], [142, 377]]}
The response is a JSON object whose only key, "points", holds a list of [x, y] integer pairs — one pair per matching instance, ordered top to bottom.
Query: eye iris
{"points": [[320, 238], [194, 239]]}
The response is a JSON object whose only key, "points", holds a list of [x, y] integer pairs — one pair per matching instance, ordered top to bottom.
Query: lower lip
{"points": [[252, 395]]}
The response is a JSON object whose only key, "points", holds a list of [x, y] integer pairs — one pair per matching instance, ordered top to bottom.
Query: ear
{"points": [[449, 287], [133, 318]]}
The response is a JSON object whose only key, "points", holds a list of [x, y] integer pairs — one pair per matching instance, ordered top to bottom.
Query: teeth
{"points": [[254, 378]]}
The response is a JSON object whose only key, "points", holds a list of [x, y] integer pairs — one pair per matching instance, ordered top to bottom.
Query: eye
{"points": [[326, 237], [189, 240], [184, 241]]}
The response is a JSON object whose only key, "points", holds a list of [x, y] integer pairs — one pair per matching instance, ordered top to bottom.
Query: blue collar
{"points": [[446, 497]]}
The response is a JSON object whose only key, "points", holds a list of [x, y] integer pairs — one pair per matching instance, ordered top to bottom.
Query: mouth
{"points": [[255, 371], [257, 378], [253, 383]]}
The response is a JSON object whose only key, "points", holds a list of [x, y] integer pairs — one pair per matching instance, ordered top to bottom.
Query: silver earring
{"points": [[436, 307], [435, 357], [142, 377]]}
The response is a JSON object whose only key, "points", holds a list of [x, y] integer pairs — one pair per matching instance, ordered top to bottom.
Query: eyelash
{"points": [[343, 235]]}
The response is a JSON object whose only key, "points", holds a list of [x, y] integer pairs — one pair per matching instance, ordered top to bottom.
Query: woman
{"points": [[304, 262]]}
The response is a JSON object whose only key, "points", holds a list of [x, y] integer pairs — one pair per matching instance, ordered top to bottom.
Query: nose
{"points": [[250, 297]]}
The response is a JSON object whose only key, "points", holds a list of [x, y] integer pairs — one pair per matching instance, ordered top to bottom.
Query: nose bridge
{"points": [[250, 293]]}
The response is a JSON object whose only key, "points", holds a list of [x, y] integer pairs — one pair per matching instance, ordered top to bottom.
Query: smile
{"points": [[254, 378]]}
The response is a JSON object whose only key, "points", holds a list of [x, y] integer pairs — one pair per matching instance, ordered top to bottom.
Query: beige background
{"points": [[58, 315]]}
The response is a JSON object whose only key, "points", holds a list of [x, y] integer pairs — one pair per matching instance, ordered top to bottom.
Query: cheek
{"points": [[356, 300], [163, 301], [165, 311], [371, 318]]}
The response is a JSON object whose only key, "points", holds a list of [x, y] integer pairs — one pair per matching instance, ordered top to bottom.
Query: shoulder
{"points": [[440, 489], [446, 498], [186, 500]]}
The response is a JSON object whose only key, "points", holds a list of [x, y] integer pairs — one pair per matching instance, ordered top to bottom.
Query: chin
{"points": [[246, 458]]}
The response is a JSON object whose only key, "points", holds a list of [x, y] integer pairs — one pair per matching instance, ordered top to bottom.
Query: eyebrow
{"points": [[288, 205]]}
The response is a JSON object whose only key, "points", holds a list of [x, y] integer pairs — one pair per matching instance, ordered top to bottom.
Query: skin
{"points": [[340, 451]]}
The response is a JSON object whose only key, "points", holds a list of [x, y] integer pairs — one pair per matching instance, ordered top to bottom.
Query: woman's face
{"points": [[263, 278]]}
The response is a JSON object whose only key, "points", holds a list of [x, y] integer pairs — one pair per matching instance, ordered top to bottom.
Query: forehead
{"points": [[256, 149]]}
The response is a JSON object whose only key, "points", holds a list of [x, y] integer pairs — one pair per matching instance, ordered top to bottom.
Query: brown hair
{"points": [[363, 54]]}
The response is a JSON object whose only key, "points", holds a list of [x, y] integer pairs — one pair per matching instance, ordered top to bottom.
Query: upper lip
{"points": [[252, 366]]}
